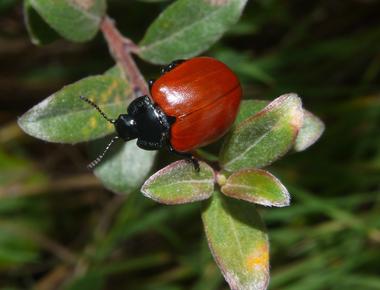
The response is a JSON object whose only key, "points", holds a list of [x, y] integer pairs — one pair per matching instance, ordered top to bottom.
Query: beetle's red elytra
{"points": [[203, 94]]}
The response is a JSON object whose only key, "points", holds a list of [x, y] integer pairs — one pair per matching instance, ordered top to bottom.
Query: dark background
{"points": [[59, 229]]}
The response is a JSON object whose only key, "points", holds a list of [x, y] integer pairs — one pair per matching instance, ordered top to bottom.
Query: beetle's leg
{"points": [[170, 66], [150, 83], [188, 157], [195, 163]]}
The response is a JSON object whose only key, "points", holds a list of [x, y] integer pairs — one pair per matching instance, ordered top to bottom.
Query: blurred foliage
{"points": [[59, 229]]}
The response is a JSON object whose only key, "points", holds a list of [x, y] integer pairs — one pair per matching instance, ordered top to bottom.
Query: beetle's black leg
{"points": [[170, 66], [150, 83], [188, 157], [195, 162]]}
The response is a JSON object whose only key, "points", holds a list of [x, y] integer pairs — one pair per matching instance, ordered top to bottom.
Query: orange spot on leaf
{"points": [[258, 259]]}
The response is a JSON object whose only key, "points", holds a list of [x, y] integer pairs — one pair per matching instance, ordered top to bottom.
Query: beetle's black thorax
{"points": [[146, 122]]}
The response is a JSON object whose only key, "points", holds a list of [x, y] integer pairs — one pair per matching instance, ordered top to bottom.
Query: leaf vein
{"points": [[90, 16], [181, 31], [241, 155], [190, 181], [236, 237]]}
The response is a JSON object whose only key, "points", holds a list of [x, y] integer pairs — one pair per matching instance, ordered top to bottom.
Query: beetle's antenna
{"points": [[97, 108], [100, 157]]}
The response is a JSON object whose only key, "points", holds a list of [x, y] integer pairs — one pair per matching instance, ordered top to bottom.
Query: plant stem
{"points": [[121, 48]]}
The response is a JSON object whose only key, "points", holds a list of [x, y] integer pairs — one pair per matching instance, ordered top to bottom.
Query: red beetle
{"points": [[192, 104]]}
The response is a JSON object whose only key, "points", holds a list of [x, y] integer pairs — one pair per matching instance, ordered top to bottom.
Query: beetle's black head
{"points": [[126, 127]]}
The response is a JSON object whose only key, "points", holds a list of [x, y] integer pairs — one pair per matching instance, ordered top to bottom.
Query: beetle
{"points": [[192, 104]]}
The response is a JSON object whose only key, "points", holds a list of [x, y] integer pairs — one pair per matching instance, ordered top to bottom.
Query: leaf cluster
{"points": [[262, 133]]}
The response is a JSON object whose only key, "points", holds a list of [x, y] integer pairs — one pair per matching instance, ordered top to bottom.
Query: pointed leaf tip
{"points": [[64, 117], [180, 183]]}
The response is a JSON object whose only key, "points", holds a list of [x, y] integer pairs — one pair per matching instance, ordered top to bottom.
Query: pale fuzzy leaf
{"points": [[76, 20], [187, 28], [310, 132], [264, 137], [125, 167], [180, 183], [257, 186], [238, 241]]}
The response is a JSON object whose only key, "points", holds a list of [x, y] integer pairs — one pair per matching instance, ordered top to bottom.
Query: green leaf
{"points": [[76, 20], [187, 28], [39, 31], [248, 108], [64, 117], [312, 128], [264, 137], [125, 166], [180, 183], [258, 186], [238, 241]]}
